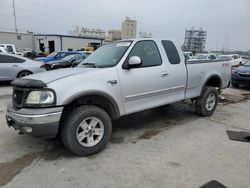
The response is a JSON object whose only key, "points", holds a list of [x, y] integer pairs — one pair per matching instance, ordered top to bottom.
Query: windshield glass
{"points": [[52, 54], [108, 55], [200, 56], [69, 57], [247, 63]]}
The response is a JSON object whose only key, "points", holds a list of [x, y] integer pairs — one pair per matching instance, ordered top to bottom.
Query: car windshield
{"points": [[53, 54], [108, 55], [200, 56], [69, 57], [247, 63]]}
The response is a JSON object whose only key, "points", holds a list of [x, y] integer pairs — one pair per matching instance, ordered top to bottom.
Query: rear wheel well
{"points": [[213, 81]]}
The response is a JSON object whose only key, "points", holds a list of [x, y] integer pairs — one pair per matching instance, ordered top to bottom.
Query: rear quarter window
{"points": [[171, 51]]}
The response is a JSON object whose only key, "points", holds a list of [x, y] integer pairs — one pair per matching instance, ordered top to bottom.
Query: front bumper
{"points": [[241, 80], [39, 122]]}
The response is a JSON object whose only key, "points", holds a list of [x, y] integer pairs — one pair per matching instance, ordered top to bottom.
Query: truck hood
{"points": [[54, 75]]}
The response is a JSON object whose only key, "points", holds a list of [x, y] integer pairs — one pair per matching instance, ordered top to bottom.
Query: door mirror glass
{"points": [[134, 61]]}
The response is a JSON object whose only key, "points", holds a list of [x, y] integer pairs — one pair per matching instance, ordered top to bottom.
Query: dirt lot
{"points": [[166, 147]]}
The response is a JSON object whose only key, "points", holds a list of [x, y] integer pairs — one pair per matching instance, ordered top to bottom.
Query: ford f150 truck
{"points": [[118, 79]]}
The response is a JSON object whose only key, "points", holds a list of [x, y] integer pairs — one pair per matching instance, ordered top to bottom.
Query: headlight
{"points": [[234, 71], [43, 97]]}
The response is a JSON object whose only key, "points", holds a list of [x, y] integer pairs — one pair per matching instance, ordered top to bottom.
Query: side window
{"points": [[10, 49], [171, 51], [148, 52], [212, 57], [10, 59]]}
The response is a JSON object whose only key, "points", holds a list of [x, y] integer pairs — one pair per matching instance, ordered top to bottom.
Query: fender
{"points": [[207, 80], [98, 93]]}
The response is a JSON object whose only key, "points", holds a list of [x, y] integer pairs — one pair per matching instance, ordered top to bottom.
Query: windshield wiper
{"points": [[90, 65]]}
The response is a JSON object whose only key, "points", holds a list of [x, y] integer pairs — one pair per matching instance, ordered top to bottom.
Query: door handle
{"points": [[14, 65], [164, 74]]}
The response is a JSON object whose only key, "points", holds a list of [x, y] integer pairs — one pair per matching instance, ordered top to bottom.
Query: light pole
{"points": [[14, 8]]}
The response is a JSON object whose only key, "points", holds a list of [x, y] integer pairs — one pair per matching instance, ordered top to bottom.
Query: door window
{"points": [[171, 51], [148, 52], [10, 59]]}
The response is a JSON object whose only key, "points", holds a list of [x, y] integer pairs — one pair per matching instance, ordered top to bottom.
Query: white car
{"points": [[10, 48], [3, 50], [203, 56], [235, 59], [14, 66]]}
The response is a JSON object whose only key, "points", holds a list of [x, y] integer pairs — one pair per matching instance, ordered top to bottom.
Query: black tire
{"points": [[23, 73], [235, 85], [201, 103], [73, 121]]}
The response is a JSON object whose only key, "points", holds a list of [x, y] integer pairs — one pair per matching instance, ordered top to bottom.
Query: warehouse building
{"points": [[20, 40], [48, 42]]}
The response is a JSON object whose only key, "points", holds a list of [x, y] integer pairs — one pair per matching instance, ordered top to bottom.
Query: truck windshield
{"points": [[107, 56]]}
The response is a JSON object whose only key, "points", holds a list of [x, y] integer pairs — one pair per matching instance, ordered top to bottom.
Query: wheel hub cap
{"points": [[90, 132]]}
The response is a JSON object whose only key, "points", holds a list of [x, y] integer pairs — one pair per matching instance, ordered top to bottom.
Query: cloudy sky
{"points": [[226, 21]]}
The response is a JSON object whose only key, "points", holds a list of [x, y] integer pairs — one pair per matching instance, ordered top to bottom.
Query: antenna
{"points": [[14, 8]]}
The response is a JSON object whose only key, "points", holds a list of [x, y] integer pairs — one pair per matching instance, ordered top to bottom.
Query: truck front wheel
{"points": [[206, 104], [86, 130]]}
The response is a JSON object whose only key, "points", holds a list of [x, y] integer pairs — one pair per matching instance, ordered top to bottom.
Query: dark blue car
{"points": [[55, 56], [241, 75]]}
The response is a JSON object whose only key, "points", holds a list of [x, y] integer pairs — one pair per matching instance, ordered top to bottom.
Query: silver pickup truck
{"points": [[118, 79]]}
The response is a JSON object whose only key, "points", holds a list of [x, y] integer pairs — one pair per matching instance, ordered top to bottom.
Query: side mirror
{"points": [[134, 61]]}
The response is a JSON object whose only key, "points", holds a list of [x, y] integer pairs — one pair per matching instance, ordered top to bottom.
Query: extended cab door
{"points": [[154, 82]]}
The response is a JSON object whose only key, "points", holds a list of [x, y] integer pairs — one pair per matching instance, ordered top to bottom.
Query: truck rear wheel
{"points": [[206, 104], [86, 130]]}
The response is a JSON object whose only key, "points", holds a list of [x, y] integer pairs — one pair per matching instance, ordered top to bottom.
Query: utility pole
{"points": [[14, 8]]}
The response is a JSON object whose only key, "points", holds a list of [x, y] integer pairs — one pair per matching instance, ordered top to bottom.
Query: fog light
{"points": [[27, 129]]}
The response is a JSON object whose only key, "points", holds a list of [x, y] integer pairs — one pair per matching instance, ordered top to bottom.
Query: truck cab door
{"points": [[148, 85]]}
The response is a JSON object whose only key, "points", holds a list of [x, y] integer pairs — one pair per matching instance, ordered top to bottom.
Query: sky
{"points": [[227, 22]]}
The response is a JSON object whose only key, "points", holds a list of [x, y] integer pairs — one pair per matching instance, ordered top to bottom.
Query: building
{"points": [[129, 27], [85, 32], [114, 34], [145, 35], [20, 40], [195, 40], [51, 42]]}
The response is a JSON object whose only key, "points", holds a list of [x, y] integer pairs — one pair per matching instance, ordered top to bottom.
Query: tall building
{"points": [[129, 28], [85, 32], [114, 34], [195, 40]]}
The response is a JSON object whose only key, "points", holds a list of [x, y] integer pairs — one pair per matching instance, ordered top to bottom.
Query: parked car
{"points": [[10, 48], [3, 50], [34, 54], [55, 56], [206, 57], [235, 59], [66, 62], [14, 66], [241, 75], [116, 80]]}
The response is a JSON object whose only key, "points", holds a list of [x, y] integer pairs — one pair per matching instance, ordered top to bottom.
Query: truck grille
{"points": [[17, 97]]}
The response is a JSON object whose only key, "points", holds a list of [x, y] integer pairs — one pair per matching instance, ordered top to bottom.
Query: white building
{"points": [[129, 27], [20, 40], [48, 42], [51, 42]]}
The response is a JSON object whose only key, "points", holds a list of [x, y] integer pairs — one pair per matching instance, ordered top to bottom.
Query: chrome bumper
{"points": [[42, 122]]}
